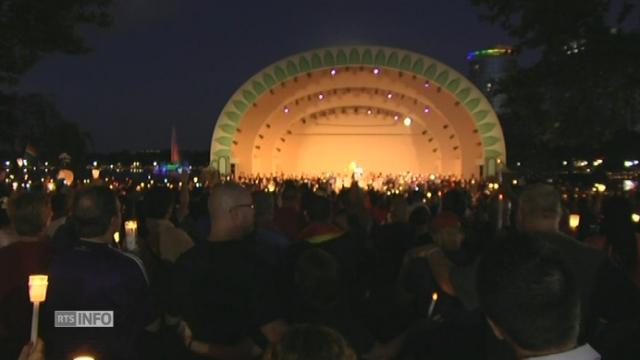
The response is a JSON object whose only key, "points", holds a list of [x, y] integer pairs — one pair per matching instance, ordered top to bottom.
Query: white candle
{"points": [[500, 212], [574, 221], [130, 230], [37, 294], [434, 299]]}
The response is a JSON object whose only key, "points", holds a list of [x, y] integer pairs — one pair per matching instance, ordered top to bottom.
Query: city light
{"points": [[490, 52], [599, 187]]}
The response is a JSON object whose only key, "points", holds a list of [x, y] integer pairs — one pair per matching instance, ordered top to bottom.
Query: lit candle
{"points": [[500, 211], [635, 218], [574, 221], [130, 230], [37, 294], [434, 299], [83, 357]]}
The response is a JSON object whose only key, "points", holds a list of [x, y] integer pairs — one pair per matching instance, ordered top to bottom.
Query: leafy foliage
{"points": [[31, 29], [585, 86], [33, 120]]}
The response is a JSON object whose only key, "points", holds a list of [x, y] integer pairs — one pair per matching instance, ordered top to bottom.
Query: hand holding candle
{"points": [[37, 294]]}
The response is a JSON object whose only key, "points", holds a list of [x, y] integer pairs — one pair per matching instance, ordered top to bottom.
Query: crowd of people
{"points": [[404, 267]]}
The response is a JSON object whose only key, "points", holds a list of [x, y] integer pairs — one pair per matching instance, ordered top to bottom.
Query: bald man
{"points": [[232, 212], [224, 292]]}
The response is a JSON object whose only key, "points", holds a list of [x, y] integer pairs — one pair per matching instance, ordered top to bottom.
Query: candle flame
{"points": [[574, 221], [131, 225], [38, 287], [434, 297]]}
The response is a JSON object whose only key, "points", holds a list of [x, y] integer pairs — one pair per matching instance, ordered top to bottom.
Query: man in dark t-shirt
{"points": [[223, 291]]}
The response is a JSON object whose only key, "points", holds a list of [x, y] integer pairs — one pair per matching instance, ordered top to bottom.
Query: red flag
{"points": [[30, 151], [175, 152]]}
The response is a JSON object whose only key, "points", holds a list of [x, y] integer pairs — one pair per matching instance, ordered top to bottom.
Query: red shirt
{"points": [[290, 222], [21, 259], [17, 262]]}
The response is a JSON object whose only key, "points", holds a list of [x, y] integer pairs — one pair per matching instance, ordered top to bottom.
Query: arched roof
{"points": [[466, 95]]}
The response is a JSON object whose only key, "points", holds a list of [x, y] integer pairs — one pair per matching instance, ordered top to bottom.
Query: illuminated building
{"points": [[488, 66], [389, 110]]}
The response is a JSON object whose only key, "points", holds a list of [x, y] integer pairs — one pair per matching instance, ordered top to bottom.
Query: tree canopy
{"points": [[32, 29], [29, 31], [584, 87]]}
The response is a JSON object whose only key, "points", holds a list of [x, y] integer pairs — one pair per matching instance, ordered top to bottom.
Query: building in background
{"points": [[488, 66]]}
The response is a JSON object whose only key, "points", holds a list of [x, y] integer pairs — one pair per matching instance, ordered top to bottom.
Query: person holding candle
{"points": [[30, 253], [92, 275], [607, 296], [33, 351]]}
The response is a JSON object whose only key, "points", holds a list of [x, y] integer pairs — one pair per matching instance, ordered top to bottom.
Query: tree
{"points": [[31, 29], [586, 84], [34, 120]]}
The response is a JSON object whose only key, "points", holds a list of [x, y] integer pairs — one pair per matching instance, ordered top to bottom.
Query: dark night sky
{"points": [[178, 61]]}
